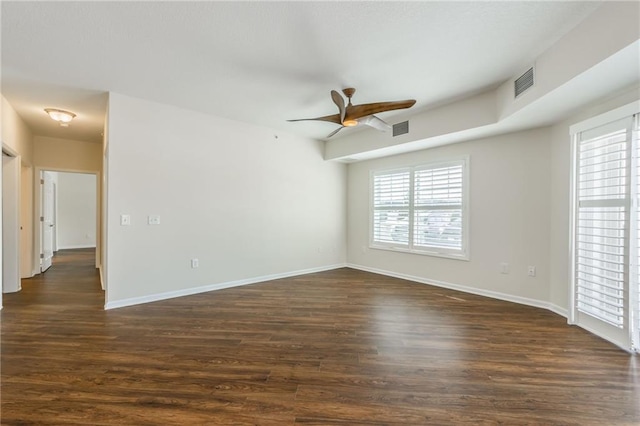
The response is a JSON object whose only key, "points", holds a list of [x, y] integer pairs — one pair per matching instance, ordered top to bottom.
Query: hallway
{"points": [[72, 282]]}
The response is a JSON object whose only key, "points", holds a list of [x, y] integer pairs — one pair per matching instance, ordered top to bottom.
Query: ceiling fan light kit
{"points": [[353, 115]]}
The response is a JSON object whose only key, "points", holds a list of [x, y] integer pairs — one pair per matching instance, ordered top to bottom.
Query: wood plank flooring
{"points": [[343, 347]]}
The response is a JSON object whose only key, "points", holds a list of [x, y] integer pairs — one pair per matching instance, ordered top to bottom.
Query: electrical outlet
{"points": [[153, 220], [195, 263], [504, 268], [531, 271]]}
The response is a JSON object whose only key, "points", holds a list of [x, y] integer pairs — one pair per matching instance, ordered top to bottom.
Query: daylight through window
{"points": [[421, 209]]}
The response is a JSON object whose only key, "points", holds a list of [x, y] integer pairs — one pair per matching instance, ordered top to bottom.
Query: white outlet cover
{"points": [[153, 220]]}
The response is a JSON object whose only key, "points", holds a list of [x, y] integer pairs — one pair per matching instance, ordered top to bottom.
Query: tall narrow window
{"points": [[603, 201], [421, 209], [606, 274]]}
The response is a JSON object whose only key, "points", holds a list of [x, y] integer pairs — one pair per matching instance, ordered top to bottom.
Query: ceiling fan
{"points": [[353, 115]]}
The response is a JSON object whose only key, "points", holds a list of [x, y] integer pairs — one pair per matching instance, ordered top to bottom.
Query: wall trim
{"points": [[80, 246], [101, 277], [213, 287], [466, 289]]}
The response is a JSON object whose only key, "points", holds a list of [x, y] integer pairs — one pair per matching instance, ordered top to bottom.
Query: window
{"points": [[603, 198], [421, 209], [606, 221]]}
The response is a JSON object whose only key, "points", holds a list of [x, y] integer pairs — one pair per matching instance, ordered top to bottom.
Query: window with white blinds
{"points": [[603, 200], [391, 202], [438, 207], [421, 209], [607, 223]]}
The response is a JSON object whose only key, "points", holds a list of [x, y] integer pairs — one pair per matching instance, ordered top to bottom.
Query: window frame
{"points": [[410, 247], [626, 336]]}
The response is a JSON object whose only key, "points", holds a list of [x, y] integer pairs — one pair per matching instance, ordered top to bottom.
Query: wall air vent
{"points": [[523, 82], [400, 128]]}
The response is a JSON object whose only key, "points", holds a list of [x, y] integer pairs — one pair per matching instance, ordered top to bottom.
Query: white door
{"points": [[46, 221]]}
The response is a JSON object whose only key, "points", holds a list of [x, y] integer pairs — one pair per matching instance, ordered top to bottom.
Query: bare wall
{"points": [[19, 139], [66, 154], [247, 201], [76, 210]]}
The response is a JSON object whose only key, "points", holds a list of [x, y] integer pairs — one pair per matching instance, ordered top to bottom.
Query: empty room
{"points": [[321, 213]]}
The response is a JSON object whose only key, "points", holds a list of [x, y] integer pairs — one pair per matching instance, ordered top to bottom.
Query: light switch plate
{"points": [[125, 220]]}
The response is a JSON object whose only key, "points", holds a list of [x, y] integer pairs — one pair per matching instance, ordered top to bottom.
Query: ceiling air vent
{"points": [[523, 82], [400, 128]]}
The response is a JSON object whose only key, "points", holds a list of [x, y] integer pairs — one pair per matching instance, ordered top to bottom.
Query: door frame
{"points": [[47, 223], [37, 249], [11, 252]]}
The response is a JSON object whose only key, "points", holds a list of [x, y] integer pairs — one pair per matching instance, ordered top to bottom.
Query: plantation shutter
{"points": [[603, 201], [391, 205], [438, 206]]}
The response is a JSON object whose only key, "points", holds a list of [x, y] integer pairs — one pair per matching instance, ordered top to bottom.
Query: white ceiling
{"points": [[264, 62]]}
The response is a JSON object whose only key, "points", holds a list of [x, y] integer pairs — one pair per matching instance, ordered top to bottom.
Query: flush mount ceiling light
{"points": [[61, 116]]}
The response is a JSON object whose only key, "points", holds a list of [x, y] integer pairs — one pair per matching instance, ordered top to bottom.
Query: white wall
{"points": [[15, 133], [18, 138], [66, 154], [245, 203], [76, 210], [509, 218]]}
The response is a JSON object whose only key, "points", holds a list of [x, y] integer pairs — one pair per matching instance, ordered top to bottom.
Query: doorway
{"points": [[69, 214]]}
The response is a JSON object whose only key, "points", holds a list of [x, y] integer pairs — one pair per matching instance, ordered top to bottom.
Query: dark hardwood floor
{"points": [[342, 347]]}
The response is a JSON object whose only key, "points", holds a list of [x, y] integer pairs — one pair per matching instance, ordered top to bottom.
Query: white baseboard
{"points": [[81, 246], [101, 277], [203, 289], [466, 289]]}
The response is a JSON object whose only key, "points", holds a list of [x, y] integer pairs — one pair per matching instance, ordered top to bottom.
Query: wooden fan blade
{"points": [[339, 101], [358, 111], [335, 118], [375, 122], [335, 131]]}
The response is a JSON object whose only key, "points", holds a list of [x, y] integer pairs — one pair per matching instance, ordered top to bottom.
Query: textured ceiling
{"points": [[265, 62]]}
